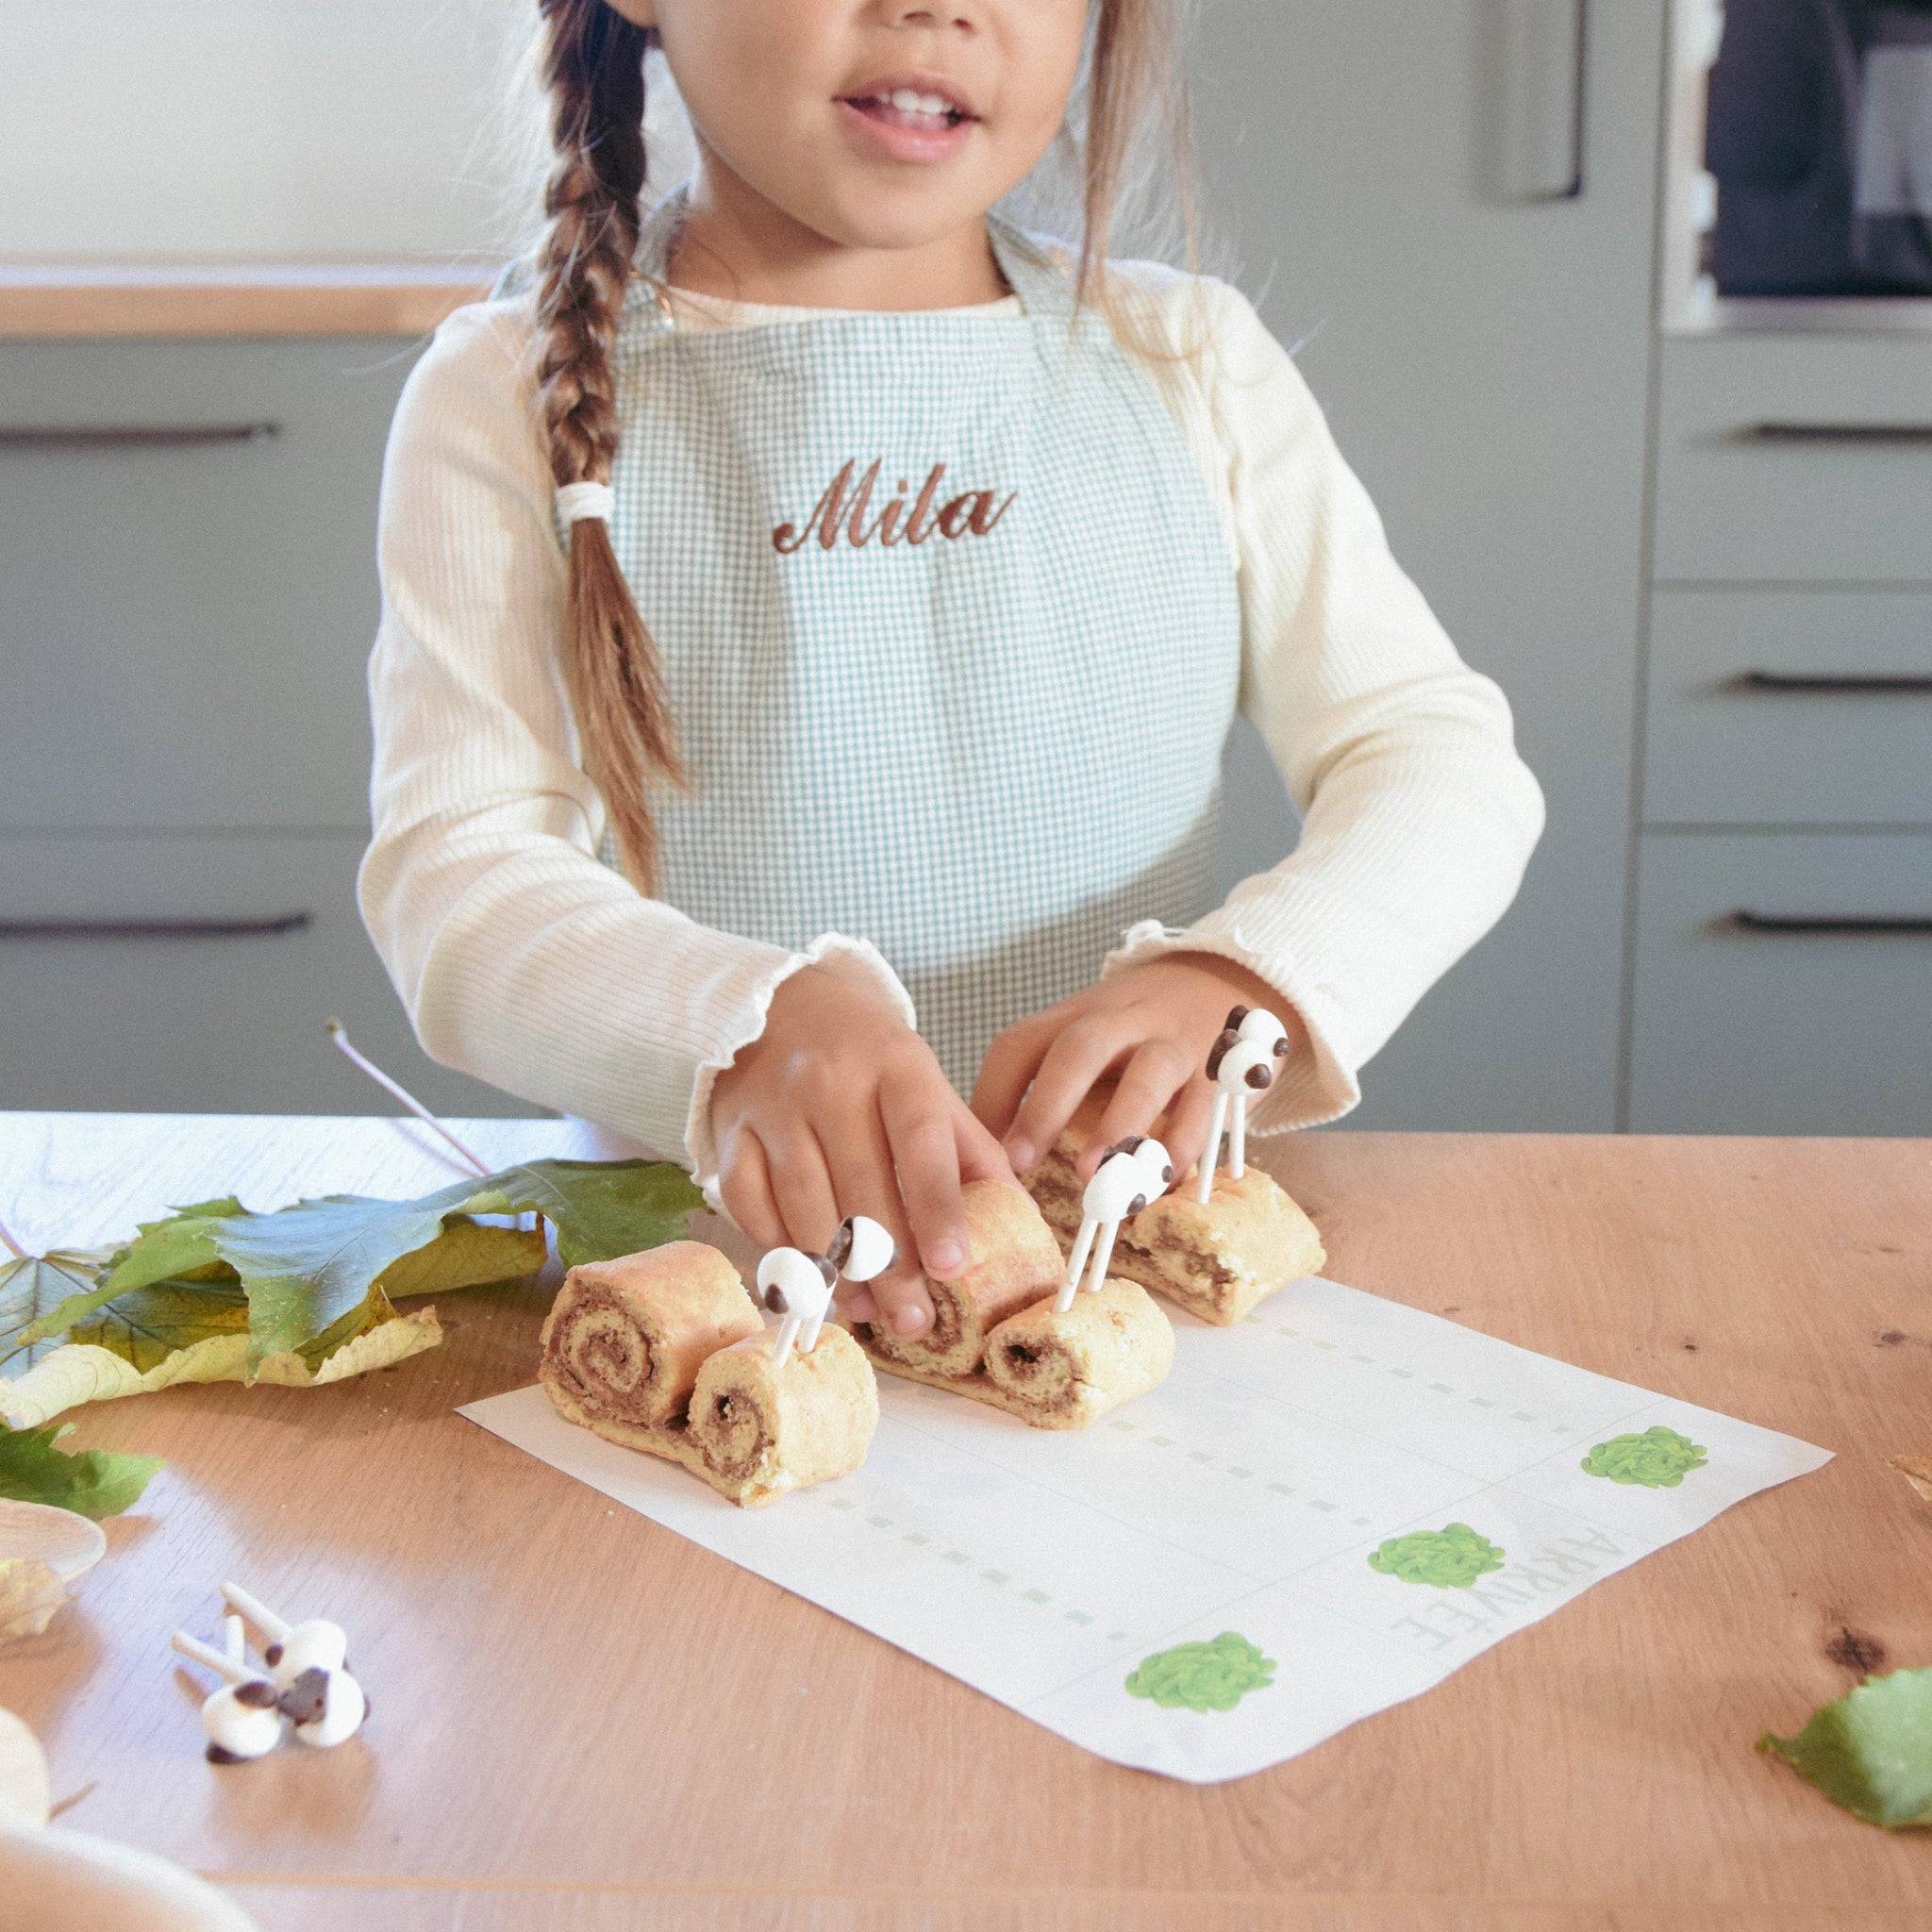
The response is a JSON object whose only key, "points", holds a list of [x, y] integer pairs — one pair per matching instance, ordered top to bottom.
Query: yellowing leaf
{"points": [[470, 1254], [39, 1294], [80, 1372], [30, 1593]]}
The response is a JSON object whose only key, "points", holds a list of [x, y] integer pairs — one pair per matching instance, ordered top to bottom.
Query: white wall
{"points": [[231, 130]]}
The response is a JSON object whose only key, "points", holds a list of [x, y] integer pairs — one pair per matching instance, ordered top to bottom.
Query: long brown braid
{"points": [[592, 63], [593, 67]]}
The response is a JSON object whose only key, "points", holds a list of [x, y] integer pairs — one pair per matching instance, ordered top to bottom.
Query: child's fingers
{"points": [[1082, 1051], [1008, 1070], [1159, 1070], [917, 1117], [1187, 1127], [980, 1156], [860, 1161], [745, 1184], [802, 1188]]}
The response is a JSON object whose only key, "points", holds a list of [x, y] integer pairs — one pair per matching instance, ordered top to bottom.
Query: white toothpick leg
{"points": [[1237, 1139], [1211, 1159], [1082, 1246], [1102, 1254], [809, 1334], [781, 1346], [271, 1626], [234, 1640], [228, 1669]]}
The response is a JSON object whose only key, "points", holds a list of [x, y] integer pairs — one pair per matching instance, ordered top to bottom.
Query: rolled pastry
{"points": [[1215, 1260], [1014, 1261], [625, 1338], [667, 1352], [1062, 1371], [1056, 1372], [761, 1430]]}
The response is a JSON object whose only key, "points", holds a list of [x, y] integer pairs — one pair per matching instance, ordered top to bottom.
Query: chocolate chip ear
{"points": [[1235, 1016], [1230, 1038], [1280, 1046], [1260, 1076], [1167, 1176], [1135, 1206], [841, 1250], [775, 1300], [273, 1655], [258, 1696], [305, 1698]]}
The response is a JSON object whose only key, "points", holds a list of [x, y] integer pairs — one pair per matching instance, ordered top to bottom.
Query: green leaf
{"points": [[602, 1208], [308, 1269], [39, 1294], [92, 1483], [1871, 1749]]}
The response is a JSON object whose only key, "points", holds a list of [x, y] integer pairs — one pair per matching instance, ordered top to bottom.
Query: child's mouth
{"points": [[918, 113], [902, 122]]}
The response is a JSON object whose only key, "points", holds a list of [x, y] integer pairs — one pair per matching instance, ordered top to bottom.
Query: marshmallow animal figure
{"points": [[1241, 1063], [1135, 1172], [797, 1287], [308, 1664], [243, 1719]]}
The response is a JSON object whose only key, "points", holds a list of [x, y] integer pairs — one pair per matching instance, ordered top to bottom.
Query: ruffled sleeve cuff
{"points": [[858, 961], [1317, 1081]]}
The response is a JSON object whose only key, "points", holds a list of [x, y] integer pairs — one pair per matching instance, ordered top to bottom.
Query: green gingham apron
{"points": [[987, 739]]}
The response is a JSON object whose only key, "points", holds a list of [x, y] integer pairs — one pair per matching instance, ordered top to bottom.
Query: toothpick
{"points": [[408, 1100], [13, 1247]]}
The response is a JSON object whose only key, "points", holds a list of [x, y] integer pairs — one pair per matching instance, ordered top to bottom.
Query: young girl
{"points": [[813, 613]]}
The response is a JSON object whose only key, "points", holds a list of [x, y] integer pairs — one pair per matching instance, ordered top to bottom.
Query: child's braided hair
{"points": [[593, 65]]}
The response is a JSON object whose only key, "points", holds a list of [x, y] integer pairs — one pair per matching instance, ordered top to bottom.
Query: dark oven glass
{"points": [[1820, 134]]}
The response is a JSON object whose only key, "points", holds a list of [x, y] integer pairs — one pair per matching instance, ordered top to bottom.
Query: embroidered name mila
{"points": [[841, 512]]}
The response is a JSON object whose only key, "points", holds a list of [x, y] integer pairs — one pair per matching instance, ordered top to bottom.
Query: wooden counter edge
{"points": [[300, 303]]}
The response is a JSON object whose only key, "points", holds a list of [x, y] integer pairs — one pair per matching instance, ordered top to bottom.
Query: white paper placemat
{"points": [[1354, 1497]]}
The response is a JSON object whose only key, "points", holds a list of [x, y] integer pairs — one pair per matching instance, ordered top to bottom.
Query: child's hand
{"points": [[1155, 1023], [837, 1108]]}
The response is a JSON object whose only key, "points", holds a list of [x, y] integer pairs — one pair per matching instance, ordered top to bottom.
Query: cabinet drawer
{"points": [[1795, 459], [187, 542], [1801, 707], [227, 1018], [1800, 1030]]}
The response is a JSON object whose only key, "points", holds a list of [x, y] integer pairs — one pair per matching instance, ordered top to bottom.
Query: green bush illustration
{"points": [[1659, 1458], [1451, 1558], [1203, 1677]]}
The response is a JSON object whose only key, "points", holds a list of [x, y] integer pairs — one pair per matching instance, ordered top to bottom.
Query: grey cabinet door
{"points": [[1485, 367], [189, 607], [173, 974], [1784, 984]]}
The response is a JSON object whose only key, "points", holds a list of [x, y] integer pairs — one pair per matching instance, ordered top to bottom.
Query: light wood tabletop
{"points": [[581, 1721]]}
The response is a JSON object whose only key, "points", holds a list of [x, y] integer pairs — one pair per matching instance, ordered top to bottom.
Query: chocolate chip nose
{"points": [[1260, 1076], [1167, 1176], [1139, 1201], [775, 1300], [305, 1698]]}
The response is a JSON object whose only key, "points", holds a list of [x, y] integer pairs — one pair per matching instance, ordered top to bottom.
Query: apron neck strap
{"points": [[1042, 286]]}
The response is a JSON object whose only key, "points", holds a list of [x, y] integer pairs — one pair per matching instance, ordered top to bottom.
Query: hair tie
{"points": [[575, 501]]}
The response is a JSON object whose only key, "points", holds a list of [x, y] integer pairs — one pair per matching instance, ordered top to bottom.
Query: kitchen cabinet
{"points": [[1485, 360], [187, 540]]}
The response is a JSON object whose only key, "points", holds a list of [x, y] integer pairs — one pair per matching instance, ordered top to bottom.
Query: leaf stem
{"points": [[409, 1099], [13, 1247]]}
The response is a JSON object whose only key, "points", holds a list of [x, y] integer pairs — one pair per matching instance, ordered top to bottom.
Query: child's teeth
{"points": [[905, 101], [931, 104]]}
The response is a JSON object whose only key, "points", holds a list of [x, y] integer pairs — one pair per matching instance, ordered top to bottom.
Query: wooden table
{"points": [[583, 1721]]}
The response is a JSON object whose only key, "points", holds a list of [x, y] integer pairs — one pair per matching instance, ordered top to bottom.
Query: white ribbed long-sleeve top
{"points": [[524, 959]]}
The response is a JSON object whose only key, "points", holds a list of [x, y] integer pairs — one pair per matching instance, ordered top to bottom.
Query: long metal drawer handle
{"points": [[1836, 432], [124, 436], [1873, 683], [1747, 921], [271, 928]]}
